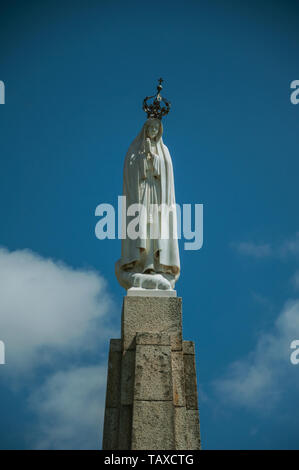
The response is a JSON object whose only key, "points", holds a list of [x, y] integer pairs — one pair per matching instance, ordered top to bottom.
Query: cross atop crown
{"points": [[154, 109]]}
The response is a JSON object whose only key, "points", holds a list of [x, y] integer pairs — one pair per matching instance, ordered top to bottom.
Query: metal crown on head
{"points": [[154, 110]]}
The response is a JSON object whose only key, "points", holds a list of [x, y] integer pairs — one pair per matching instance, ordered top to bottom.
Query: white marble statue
{"points": [[150, 261]]}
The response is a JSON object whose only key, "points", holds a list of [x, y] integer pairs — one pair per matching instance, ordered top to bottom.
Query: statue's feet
{"points": [[129, 279], [170, 279], [145, 281], [150, 281], [163, 283]]}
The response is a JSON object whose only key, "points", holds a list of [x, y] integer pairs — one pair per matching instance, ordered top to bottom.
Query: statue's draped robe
{"points": [[150, 181]]}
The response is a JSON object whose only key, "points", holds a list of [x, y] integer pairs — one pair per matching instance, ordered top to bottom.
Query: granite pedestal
{"points": [[151, 397]]}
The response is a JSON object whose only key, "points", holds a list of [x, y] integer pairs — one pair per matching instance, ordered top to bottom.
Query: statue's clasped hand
{"points": [[148, 152]]}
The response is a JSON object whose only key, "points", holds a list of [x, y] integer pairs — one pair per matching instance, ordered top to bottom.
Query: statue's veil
{"points": [[168, 247]]}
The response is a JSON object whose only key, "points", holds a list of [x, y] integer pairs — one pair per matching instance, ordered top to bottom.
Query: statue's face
{"points": [[153, 129]]}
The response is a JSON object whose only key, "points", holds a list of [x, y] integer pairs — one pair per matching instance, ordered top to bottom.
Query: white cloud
{"points": [[290, 246], [253, 249], [47, 307], [54, 315], [259, 380], [70, 406]]}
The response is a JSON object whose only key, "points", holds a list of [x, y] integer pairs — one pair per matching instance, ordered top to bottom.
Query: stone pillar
{"points": [[151, 397]]}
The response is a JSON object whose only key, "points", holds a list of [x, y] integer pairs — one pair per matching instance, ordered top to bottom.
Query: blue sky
{"points": [[75, 75]]}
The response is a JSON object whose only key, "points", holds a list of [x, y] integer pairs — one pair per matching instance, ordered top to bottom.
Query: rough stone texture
{"points": [[152, 315], [153, 338], [115, 345], [188, 347], [114, 368], [127, 377], [178, 378], [153, 379], [190, 382], [151, 398], [153, 425], [111, 426], [125, 428], [180, 428], [193, 433], [110, 436]]}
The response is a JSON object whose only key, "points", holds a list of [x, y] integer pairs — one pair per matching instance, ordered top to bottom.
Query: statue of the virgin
{"points": [[149, 257]]}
